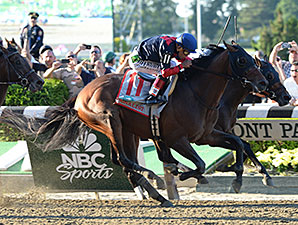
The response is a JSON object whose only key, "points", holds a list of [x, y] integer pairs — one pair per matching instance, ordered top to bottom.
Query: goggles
{"points": [[185, 52], [293, 52], [296, 70]]}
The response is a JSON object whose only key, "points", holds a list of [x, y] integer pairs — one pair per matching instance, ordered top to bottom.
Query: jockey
{"points": [[153, 55]]}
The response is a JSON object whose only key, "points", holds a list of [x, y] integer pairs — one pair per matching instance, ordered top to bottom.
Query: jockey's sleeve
{"points": [[166, 54], [174, 70], [171, 71]]}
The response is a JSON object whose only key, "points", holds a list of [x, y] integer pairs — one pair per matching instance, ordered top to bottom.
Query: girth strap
{"points": [[154, 122]]}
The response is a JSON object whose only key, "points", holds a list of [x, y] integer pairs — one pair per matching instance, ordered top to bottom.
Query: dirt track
{"points": [[38, 211]]}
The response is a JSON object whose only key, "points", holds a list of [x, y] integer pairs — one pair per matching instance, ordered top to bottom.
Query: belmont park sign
{"points": [[262, 130], [86, 165]]}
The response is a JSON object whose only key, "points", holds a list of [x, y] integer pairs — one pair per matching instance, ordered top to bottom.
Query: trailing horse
{"points": [[16, 70], [189, 116]]}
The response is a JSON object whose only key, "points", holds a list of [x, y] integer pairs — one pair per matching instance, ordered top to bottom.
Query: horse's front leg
{"points": [[228, 141], [183, 147], [267, 180]]}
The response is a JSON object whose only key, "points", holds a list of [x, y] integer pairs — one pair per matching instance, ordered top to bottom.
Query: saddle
{"points": [[134, 90]]}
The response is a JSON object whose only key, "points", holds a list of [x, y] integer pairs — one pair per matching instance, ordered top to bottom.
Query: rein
{"points": [[240, 69], [227, 76], [23, 81]]}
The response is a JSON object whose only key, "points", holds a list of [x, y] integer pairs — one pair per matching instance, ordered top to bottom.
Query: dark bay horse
{"points": [[14, 69], [233, 95], [231, 99], [191, 114]]}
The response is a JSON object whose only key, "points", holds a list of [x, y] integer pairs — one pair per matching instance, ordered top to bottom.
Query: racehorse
{"points": [[16, 70], [234, 94], [191, 114], [227, 119]]}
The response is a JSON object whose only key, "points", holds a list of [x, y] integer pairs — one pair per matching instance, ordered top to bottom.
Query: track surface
{"points": [[52, 211]]}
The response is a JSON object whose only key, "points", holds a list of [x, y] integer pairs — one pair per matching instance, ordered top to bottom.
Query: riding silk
{"points": [[158, 49], [134, 90]]}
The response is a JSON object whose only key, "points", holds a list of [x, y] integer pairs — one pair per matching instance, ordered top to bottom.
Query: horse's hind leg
{"points": [[130, 144], [267, 180], [144, 183]]}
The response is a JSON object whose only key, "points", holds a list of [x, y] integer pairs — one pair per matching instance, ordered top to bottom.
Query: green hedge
{"points": [[54, 92]]}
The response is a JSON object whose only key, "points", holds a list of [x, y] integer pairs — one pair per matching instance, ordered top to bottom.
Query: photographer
{"points": [[283, 66], [68, 73]]}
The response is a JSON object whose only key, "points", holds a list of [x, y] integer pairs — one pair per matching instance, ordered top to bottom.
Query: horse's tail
{"points": [[60, 126]]}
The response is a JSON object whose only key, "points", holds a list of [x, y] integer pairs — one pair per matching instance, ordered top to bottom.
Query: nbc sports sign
{"points": [[86, 165]]}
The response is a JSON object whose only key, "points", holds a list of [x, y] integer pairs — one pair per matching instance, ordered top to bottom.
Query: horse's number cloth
{"points": [[133, 92]]}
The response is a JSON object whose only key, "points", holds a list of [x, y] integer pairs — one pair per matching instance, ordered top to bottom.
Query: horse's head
{"points": [[13, 44], [244, 68], [16, 69], [275, 90]]}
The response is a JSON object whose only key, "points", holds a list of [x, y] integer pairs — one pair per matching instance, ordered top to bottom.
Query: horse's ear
{"points": [[13, 41], [234, 42], [8, 43], [229, 47], [266, 58], [258, 62]]}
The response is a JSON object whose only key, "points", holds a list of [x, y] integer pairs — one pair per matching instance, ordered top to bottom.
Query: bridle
{"points": [[240, 64], [22, 78]]}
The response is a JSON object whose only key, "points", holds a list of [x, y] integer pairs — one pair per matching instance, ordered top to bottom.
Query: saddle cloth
{"points": [[134, 90]]}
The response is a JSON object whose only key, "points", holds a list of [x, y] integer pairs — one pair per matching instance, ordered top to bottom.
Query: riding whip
{"points": [[224, 30]]}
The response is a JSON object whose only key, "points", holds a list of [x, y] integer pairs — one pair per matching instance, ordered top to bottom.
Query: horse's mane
{"points": [[211, 51], [203, 60]]}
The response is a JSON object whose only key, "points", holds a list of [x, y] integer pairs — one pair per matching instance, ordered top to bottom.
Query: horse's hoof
{"points": [[203, 180], [268, 181], [159, 183], [236, 186], [166, 203]]}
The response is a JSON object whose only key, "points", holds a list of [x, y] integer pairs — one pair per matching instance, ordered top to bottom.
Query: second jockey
{"points": [[153, 56]]}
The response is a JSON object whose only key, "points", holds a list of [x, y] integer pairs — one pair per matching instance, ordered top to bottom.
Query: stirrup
{"points": [[151, 100]]}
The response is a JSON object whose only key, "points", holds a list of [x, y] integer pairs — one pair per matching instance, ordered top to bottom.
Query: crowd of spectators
{"points": [[287, 69], [74, 71], [77, 73]]}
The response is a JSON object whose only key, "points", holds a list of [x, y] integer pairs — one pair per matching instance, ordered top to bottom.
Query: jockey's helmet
{"points": [[187, 41]]}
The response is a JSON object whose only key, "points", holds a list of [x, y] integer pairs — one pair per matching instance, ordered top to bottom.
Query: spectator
{"points": [[33, 33], [95, 54], [46, 60], [110, 60], [124, 64], [285, 65], [68, 74], [87, 76], [291, 83]]}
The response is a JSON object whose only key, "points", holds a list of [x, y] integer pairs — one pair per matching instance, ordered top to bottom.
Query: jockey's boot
{"points": [[156, 87]]}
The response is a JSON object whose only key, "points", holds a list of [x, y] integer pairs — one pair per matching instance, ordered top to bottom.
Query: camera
{"points": [[286, 45], [87, 46], [64, 60]]}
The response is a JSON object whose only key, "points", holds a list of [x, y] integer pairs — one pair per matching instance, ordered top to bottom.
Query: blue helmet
{"points": [[187, 41]]}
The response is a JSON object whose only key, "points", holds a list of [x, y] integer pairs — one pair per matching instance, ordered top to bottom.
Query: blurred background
{"points": [[120, 24]]}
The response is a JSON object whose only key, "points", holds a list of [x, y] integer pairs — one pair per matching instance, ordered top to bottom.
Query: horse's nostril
{"points": [[40, 82], [287, 98]]}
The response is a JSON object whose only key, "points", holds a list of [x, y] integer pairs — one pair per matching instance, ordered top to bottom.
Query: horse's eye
{"points": [[241, 61], [18, 62], [270, 76]]}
